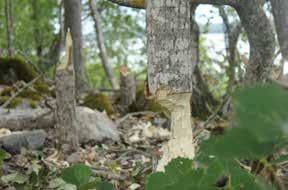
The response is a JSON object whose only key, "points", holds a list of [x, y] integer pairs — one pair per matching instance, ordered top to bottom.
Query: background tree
{"points": [[72, 12], [9, 26], [101, 45]]}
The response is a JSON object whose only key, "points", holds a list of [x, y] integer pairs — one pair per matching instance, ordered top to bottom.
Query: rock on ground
{"points": [[94, 125], [32, 140]]}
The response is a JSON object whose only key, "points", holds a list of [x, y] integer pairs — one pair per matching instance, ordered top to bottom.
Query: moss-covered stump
{"points": [[15, 69], [98, 101]]}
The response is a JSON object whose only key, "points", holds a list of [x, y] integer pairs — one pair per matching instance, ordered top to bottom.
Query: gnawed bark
{"points": [[261, 40], [100, 42], [170, 71], [65, 115]]}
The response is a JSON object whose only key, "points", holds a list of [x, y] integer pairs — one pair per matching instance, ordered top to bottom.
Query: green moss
{"points": [[15, 69], [42, 88], [7, 91], [31, 94], [17, 101], [98, 101], [14, 103], [33, 104]]}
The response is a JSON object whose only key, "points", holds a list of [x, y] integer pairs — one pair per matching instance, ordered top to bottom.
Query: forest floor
{"points": [[125, 163]]}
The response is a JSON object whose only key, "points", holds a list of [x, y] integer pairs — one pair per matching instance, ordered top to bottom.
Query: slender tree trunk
{"points": [[280, 13], [72, 16], [9, 26], [37, 33], [232, 34], [261, 40], [101, 45], [53, 55], [170, 71], [127, 89], [202, 100]]}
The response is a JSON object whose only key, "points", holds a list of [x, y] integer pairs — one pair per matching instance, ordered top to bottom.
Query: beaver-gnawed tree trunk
{"points": [[261, 40], [170, 71]]}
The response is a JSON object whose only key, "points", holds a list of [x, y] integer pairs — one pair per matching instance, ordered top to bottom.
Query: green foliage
{"points": [[13, 69], [98, 101], [261, 124], [260, 127], [77, 175], [80, 175]]}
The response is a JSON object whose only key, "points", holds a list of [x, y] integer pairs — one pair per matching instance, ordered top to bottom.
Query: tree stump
{"points": [[170, 70], [127, 89], [65, 115]]}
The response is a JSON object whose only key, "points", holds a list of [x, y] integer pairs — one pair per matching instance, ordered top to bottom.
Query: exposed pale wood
{"points": [[181, 140]]}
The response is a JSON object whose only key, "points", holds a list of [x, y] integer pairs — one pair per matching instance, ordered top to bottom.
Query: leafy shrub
{"points": [[261, 127]]}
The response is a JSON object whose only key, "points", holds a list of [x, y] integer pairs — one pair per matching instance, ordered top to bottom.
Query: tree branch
{"points": [[140, 4]]}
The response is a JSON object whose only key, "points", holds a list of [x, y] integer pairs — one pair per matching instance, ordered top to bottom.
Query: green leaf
{"points": [[261, 122], [179, 173], [77, 175], [14, 178], [104, 186]]}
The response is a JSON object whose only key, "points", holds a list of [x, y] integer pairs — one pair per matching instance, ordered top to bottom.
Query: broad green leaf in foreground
{"points": [[261, 122], [77, 175]]}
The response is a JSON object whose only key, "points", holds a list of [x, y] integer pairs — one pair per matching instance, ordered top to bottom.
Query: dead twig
{"points": [[19, 91], [121, 120], [109, 175]]}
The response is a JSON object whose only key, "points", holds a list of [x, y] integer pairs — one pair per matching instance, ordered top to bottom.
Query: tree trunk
{"points": [[280, 13], [72, 16], [9, 26], [37, 33], [232, 34], [261, 40], [100, 42], [170, 71], [127, 89], [201, 96], [65, 115]]}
